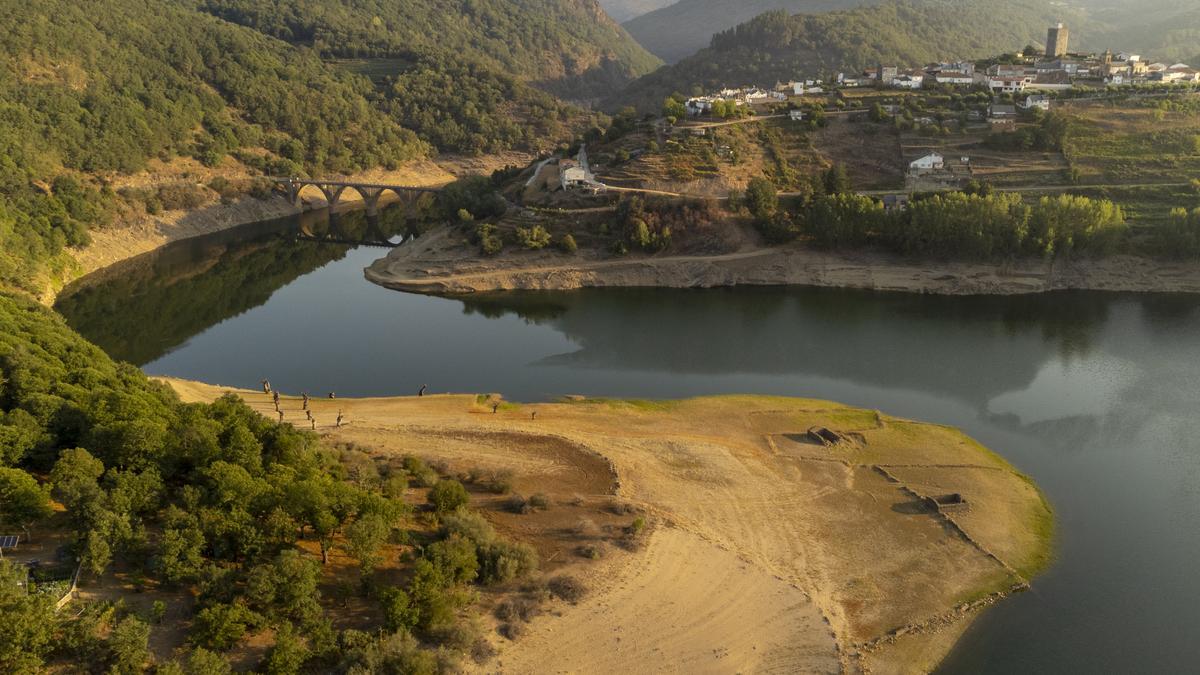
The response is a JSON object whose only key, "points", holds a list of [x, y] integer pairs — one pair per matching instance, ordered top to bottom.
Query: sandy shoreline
{"points": [[435, 264], [768, 552]]}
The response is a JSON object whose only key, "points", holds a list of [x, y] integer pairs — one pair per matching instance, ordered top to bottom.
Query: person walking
{"points": [[266, 385], [422, 391], [275, 397], [305, 404], [495, 406], [309, 414], [280, 416], [313, 420], [338, 424]]}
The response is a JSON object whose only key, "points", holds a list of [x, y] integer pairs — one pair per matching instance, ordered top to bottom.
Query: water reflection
{"points": [[188, 286], [920, 342]]}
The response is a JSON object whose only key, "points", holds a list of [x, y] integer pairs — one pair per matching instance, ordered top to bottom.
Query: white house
{"points": [[954, 77], [908, 81], [1036, 101], [699, 106], [797, 115], [931, 162]]}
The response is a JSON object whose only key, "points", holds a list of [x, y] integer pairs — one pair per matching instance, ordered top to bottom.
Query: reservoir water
{"points": [[1096, 396]]}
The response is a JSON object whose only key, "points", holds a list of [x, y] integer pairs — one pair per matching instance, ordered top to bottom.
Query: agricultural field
{"points": [[1139, 141]]}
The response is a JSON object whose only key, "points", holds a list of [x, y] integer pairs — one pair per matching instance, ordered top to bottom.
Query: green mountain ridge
{"points": [[1168, 29], [679, 30], [778, 47], [570, 48]]}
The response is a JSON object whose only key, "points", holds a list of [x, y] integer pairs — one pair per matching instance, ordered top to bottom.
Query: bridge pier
{"points": [[293, 192], [332, 193], [371, 199]]}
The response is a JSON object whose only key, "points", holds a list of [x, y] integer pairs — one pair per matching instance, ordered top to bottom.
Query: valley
{"points": [[381, 336]]}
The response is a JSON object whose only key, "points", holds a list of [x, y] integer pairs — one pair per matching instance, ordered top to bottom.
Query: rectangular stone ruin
{"points": [[953, 501]]}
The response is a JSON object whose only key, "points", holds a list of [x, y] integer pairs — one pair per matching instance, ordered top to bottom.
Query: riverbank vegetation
{"points": [[232, 515]]}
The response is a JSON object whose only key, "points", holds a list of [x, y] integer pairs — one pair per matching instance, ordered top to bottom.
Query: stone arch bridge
{"points": [[333, 189]]}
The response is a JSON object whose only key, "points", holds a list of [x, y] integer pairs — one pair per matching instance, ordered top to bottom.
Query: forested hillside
{"points": [[679, 30], [1163, 30], [568, 47], [778, 47], [89, 90], [87, 93], [223, 516]]}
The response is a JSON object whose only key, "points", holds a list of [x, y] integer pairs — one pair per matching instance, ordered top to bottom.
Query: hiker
{"points": [[266, 384], [422, 392], [332, 395], [275, 397], [305, 405], [495, 405], [309, 414], [280, 415], [533, 415], [314, 422], [338, 424]]}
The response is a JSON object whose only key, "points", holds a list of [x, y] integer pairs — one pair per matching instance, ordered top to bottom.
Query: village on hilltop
{"points": [[1035, 74]]}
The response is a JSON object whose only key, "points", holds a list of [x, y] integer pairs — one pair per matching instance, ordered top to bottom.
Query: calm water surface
{"points": [[1097, 396]]}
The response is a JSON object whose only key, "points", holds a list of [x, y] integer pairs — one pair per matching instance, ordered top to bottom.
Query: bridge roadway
{"points": [[333, 189]]}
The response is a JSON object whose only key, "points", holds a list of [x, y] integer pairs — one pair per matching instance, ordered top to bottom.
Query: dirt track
{"points": [[769, 552]]}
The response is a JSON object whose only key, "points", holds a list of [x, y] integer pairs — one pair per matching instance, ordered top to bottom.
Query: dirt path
{"points": [[437, 263], [768, 552]]}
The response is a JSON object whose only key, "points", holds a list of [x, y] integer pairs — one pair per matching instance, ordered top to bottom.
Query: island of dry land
{"points": [[766, 548]]}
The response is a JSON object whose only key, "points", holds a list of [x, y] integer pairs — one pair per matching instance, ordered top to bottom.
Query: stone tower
{"points": [[1056, 41]]}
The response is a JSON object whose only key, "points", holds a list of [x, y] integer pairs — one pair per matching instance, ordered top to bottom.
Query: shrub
{"points": [[180, 196], [533, 239], [567, 244], [422, 474], [448, 495], [539, 501], [518, 504], [470, 526], [591, 551], [501, 562], [568, 588], [519, 608], [399, 613], [220, 626], [512, 630]]}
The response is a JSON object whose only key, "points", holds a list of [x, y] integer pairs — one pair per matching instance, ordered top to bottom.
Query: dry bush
{"points": [[539, 501], [518, 504], [621, 508], [586, 527], [591, 551], [568, 588], [522, 608], [512, 630], [482, 651]]}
